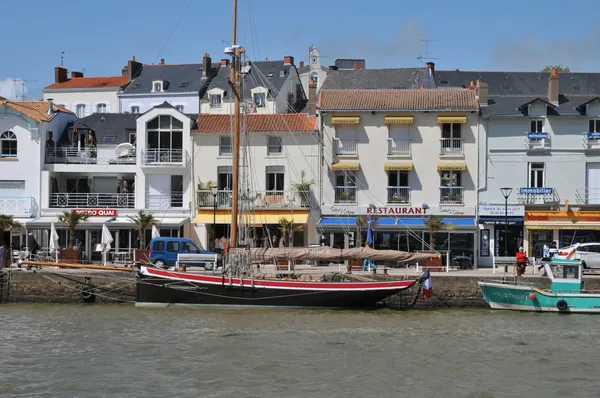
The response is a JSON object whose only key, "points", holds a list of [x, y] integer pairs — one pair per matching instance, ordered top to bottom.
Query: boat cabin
{"points": [[566, 275]]}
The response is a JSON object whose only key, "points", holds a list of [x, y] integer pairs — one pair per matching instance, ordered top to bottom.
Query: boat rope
{"points": [[78, 291]]}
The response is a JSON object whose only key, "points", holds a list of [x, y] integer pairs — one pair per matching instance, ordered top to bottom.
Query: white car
{"points": [[588, 253]]}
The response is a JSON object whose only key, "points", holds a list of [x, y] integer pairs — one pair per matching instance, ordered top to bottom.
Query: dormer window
{"points": [[157, 86], [260, 99], [215, 100]]}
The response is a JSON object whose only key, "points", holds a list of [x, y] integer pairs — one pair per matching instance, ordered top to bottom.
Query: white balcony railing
{"points": [[591, 141], [539, 145], [345, 146], [451, 146], [398, 147], [103, 155], [164, 157], [345, 194], [398, 195], [452, 195], [537, 196], [587, 196], [261, 199], [89, 200], [165, 201], [16, 205]]}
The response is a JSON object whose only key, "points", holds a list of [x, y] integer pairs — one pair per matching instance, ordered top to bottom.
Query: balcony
{"points": [[537, 141], [591, 141], [345, 146], [451, 146], [398, 147], [102, 155], [164, 157], [345, 195], [398, 195], [452, 195], [537, 196], [587, 196], [92, 200], [256, 200], [165, 201], [16, 205]]}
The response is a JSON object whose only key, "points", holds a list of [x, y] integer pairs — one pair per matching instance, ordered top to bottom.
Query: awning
{"points": [[452, 119], [345, 120], [399, 120], [352, 166], [400, 166], [462, 166], [257, 218], [500, 220], [23, 221], [43, 221], [95, 221], [338, 221], [171, 222], [401, 222], [420, 222], [563, 225]]}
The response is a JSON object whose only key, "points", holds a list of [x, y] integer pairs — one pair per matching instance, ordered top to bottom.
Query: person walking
{"points": [[546, 251], [521, 261]]}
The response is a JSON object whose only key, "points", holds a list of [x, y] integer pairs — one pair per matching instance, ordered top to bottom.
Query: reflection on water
{"points": [[121, 351]]}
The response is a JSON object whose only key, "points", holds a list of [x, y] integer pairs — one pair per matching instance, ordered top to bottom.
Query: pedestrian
{"points": [[553, 249], [546, 252], [521, 261], [368, 263]]}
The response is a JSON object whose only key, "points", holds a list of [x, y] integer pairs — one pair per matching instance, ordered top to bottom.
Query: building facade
{"points": [[314, 71]]}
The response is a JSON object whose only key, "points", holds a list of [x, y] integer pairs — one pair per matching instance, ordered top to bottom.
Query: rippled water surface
{"points": [[121, 351]]}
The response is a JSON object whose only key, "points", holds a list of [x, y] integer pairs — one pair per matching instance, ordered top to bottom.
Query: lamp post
{"points": [[214, 190], [506, 193]]}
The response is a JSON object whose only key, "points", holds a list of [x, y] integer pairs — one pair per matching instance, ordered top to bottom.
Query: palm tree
{"points": [[303, 188], [71, 220], [143, 221], [7, 223], [435, 224], [361, 225], [285, 226]]}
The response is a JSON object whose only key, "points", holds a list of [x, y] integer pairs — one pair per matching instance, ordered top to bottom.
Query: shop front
{"points": [[564, 227], [500, 232]]}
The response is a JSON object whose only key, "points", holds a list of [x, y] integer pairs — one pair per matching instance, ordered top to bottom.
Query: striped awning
{"points": [[452, 119], [345, 120], [399, 120], [353, 166], [400, 166], [441, 166]]}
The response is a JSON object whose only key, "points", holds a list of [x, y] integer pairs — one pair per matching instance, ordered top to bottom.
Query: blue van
{"points": [[163, 251]]}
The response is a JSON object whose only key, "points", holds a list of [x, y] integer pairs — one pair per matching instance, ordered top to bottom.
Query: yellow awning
{"points": [[452, 119], [345, 120], [399, 120], [352, 166], [400, 166], [462, 166], [255, 218], [553, 225]]}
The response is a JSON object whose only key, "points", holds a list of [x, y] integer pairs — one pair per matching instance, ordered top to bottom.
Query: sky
{"points": [[98, 37]]}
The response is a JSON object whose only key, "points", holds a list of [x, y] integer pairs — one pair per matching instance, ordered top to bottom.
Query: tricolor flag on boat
{"points": [[427, 289]]}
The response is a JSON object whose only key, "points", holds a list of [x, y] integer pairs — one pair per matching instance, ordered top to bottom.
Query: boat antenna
{"points": [[234, 82]]}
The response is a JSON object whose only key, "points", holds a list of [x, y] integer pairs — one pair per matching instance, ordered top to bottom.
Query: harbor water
{"points": [[122, 351]]}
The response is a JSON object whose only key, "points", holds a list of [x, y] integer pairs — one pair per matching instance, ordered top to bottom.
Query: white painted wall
{"points": [[70, 98]]}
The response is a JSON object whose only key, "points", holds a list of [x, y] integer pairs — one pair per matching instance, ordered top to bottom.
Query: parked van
{"points": [[164, 251]]}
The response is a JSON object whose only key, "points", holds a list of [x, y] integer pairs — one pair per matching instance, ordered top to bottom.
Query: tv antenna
{"points": [[425, 55], [62, 58], [20, 82]]}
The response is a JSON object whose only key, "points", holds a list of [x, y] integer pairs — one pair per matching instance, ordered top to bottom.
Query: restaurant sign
{"points": [[396, 210], [97, 212]]}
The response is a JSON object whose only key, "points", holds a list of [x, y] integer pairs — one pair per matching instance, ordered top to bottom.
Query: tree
{"points": [[559, 68], [303, 188], [71, 220], [143, 221], [7, 223], [435, 224], [361, 225], [285, 226]]}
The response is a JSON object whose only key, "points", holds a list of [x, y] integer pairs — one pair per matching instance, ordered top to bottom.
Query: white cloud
{"points": [[13, 89]]}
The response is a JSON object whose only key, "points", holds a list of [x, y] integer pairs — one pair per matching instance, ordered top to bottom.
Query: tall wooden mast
{"points": [[235, 76]]}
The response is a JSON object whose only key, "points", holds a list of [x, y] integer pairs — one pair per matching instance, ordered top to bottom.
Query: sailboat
{"points": [[237, 285]]}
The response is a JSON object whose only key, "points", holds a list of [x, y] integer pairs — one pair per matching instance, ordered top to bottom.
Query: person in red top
{"points": [[521, 261]]}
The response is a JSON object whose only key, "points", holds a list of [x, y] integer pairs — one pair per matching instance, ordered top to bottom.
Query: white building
{"points": [[314, 71], [268, 87], [86, 95], [24, 130], [281, 151], [398, 156]]}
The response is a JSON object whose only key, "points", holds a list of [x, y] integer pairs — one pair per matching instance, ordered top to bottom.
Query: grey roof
{"points": [[348, 63], [306, 69], [270, 70], [182, 78], [374, 79], [513, 105], [108, 124]]}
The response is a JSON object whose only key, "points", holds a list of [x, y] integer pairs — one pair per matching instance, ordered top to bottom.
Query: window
{"points": [[314, 59], [314, 77], [157, 87], [260, 99], [215, 100], [101, 108], [179, 108], [135, 109], [80, 110], [536, 126], [594, 126], [451, 130], [165, 137], [132, 138], [451, 138], [8, 145], [225, 145], [274, 145], [536, 175], [224, 178], [275, 178], [450, 178], [397, 179], [12, 184], [345, 187], [398, 189], [177, 191], [451, 191], [159, 246], [173, 246], [187, 247]]}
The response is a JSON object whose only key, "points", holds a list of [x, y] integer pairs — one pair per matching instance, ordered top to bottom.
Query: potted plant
{"points": [[303, 188], [205, 197], [71, 219], [143, 221]]}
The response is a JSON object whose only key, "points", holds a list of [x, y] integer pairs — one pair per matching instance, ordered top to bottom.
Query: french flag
{"points": [[427, 289]]}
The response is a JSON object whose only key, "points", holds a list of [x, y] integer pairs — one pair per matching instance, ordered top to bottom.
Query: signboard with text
{"points": [[593, 135], [537, 136], [536, 191], [499, 210], [397, 211], [97, 212]]}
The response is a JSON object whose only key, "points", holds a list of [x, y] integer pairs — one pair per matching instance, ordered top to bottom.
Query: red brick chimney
{"points": [[288, 60], [162, 61], [302, 64], [60, 74], [76, 74], [553, 87], [312, 99]]}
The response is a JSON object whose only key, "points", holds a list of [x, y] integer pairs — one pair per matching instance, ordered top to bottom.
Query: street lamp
{"points": [[214, 190], [506, 193]]}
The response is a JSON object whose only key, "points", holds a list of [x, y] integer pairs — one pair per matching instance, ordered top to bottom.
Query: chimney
{"points": [[288, 60], [162, 61], [224, 62], [302, 64], [206, 65], [133, 68], [332, 68], [124, 71], [60, 74], [76, 74], [429, 78], [553, 87], [482, 93], [312, 99], [50, 106]]}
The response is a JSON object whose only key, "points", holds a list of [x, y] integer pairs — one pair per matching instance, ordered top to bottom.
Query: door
{"points": [[592, 195]]}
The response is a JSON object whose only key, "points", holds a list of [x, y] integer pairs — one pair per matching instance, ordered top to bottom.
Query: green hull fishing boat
{"points": [[566, 293]]}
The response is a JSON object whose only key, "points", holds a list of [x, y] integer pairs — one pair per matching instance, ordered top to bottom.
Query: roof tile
{"points": [[91, 82], [36, 110], [257, 123]]}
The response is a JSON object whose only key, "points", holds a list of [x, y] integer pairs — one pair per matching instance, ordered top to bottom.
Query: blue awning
{"points": [[338, 221], [385, 221], [402, 222], [420, 222]]}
